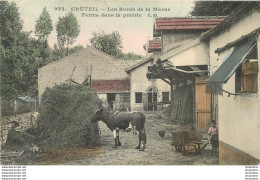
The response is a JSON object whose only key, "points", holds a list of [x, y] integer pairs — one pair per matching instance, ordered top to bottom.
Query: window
{"points": [[246, 74], [246, 77], [165, 96], [138, 97]]}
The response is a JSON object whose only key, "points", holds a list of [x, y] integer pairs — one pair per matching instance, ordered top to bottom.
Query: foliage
{"points": [[214, 8], [43, 25], [67, 29], [108, 43], [112, 45], [59, 51], [21, 55], [130, 56], [64, 119]]}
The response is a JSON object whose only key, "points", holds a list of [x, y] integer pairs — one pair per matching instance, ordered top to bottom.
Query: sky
{"points": [[135, 31]]}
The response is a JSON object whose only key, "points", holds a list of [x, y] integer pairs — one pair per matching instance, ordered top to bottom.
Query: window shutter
{"points": [[249, 76]]}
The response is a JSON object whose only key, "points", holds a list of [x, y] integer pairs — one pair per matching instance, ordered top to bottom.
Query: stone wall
{"points": [[77, 66]]}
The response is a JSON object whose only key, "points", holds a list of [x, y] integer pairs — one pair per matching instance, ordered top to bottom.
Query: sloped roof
{"points": [[187, 23], [150, 58], [107, 86]]}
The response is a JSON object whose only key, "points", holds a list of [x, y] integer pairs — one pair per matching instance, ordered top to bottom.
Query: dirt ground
{"points": [[158, 150]]}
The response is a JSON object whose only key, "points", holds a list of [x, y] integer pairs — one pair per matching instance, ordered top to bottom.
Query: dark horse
{"points": [[122, 120]]}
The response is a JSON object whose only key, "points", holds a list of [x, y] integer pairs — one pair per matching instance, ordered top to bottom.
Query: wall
{"points": [[171, 40], [156, 54], [197, 54], [104, 67], [140, 83], [239, 125]]}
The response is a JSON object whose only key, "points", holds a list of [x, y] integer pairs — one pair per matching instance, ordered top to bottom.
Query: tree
{"points": [[214, 8], [43, 25], [11, 26], [67, 29], [108, 43], [21, 55]]}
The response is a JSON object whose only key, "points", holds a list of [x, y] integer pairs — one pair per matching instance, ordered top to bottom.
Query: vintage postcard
{"points": [[130, 82]]}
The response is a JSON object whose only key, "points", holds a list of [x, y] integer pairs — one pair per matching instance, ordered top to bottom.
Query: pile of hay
{"points": [[64, 119]]}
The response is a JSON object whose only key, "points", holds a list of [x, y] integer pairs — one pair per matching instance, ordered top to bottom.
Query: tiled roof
{"points": [[188, 23], [154, 44], [111, 86]]}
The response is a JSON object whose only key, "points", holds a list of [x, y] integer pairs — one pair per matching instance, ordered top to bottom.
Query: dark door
{"points": [[110, 98]]}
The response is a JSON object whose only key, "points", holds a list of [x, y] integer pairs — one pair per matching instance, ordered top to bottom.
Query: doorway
{"points": [[110, 98], [152, 99], [203, 105]]}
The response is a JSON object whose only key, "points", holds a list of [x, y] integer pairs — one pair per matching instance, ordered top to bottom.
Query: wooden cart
{"points": [[187, 140]]}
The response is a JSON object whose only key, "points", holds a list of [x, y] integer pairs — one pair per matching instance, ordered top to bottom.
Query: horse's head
{"points": [[97, 116]]}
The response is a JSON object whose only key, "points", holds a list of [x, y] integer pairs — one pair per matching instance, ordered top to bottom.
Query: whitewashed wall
{"points": [[197, 54], [140, 83], [239, 117]]}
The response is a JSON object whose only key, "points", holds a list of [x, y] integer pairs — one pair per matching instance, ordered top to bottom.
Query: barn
{"points": [[106, 75]]}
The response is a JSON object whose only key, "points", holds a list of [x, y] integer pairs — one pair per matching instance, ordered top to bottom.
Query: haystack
{"points": [[64, 119]]}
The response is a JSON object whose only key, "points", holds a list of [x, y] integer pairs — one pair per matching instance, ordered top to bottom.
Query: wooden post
{"points": [[172, 82]]}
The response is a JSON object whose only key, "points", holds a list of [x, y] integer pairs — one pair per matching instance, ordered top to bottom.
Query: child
{"points": [[213, 132]]}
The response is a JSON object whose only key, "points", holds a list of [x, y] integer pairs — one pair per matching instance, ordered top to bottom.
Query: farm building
{"points": [[176, 31], [221, 65], [185, 67], [108, 76], [234, 82], [147, 94]]}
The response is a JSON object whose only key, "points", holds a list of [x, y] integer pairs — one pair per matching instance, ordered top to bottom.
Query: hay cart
{"points": [[187, 140]]}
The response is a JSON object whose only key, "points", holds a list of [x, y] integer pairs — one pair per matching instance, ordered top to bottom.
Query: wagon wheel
{"points": [[197, 149]]}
